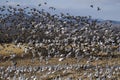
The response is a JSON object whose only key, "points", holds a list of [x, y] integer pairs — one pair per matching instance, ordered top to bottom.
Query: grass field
{"points": [[7, 49]]}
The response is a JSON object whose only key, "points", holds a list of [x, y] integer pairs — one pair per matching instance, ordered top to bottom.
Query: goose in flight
{"points": [[91, 6], [98, 8]]}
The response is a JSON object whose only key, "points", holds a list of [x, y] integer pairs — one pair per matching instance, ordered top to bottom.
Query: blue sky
{"points": [[110, 9]]}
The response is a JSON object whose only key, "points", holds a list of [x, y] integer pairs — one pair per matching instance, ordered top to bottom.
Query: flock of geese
{"points": [[57, 36]]}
